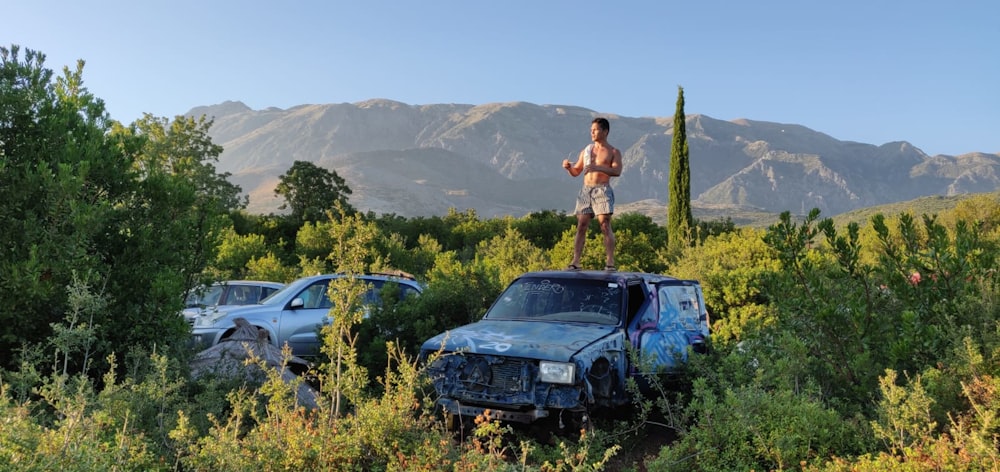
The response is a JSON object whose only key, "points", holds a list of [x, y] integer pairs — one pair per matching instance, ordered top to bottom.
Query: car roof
{"points": [[600, 275], [402, 279], [265, 283]]}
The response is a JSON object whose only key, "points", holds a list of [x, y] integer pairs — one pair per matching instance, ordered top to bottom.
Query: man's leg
{"points": [[582, 224], [609, 239]]}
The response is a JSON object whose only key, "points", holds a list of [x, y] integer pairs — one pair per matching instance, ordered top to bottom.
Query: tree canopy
{"points": [[310, 191], [129, 214], [680, 221]]}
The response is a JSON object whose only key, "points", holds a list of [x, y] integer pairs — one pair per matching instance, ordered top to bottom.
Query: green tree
{"points": [[178, 158], [59, 175], [310, 191], [132, 210], [679, 217], [642, 224], [545, 228], [413, 229], [165, 230], [593, 251], [234, 254], [510, 255], [417, 260], [731, 267], [456, 294]]}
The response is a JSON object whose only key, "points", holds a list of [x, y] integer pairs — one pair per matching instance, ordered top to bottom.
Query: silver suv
{"points": [[225, 295], [293, 314]]}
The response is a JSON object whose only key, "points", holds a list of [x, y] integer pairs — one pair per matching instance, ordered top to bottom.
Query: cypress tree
{"points": [[679, 218]]}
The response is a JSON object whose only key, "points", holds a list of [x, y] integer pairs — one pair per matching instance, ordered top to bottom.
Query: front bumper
{"points": [[454, 407]]}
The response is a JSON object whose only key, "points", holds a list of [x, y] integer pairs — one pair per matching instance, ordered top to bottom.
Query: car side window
{"points": [[407, 291], [264, 293], [241, 295], [373, 295], [314, 296], [679, 305]]}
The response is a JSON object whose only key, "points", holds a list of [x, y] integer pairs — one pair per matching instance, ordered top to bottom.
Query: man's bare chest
{"points": [[601, 156]]}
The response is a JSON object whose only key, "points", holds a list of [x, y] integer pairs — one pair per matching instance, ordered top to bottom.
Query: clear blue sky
{"points": [[872, 71]]}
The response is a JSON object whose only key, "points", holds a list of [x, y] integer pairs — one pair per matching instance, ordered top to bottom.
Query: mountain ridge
{"points": [[504, 159]]}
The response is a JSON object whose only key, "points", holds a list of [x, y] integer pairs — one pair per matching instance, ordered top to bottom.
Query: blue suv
{"points": [[564, 343]]}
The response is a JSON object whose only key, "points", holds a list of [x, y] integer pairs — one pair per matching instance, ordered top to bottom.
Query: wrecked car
{"points": [[564, 342]]}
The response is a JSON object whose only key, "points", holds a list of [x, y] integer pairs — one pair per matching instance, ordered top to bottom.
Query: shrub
{"points": [[750, 428]]}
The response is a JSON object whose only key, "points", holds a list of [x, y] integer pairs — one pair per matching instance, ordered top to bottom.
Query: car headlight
{"points": [[208, 319], [557, 372]]}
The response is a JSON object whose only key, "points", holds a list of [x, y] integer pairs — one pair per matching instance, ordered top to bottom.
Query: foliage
{"points": [[55, 164], [310, 191], [930, 205], [135, 210], [680, 221], [544, 228], [706, 228], [411, 229], [466, 231], [279, 233], [342, 243], [593, 249], [235, 254], [511, 255], [418, 260], [269, 267], [731, 267], [455, 295], [847, 324], [844, 346], [767, 395], [76, 426], [908, 427], [750, 428]]}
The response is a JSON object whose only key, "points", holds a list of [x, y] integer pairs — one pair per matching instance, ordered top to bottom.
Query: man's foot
{"points": [[572, 267], [610, 268]]}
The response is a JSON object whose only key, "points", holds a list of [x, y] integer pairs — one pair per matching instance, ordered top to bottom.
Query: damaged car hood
{"points": [[554, 341]]}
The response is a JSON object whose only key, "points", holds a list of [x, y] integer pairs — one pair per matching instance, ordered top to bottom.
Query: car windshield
{"points": [[207, 296], [547, 299]]}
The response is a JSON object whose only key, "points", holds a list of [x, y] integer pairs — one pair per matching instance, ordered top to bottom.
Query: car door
{"points": [[302, 318], [680, 320]]}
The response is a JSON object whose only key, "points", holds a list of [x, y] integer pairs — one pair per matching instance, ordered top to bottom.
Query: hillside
{"points": [[504, 159]]}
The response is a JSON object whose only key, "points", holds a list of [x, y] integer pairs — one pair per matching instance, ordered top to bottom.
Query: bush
{"points": [[750, 428]]}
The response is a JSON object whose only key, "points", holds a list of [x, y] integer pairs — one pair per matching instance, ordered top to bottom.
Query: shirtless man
{"points": [[598, 163]]}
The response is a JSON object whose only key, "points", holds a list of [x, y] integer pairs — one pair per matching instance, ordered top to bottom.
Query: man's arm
{"points": [[574, 169], [615, 169]]}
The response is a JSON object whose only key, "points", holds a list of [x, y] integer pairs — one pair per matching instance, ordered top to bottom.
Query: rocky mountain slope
{"points": [[504, 159]]}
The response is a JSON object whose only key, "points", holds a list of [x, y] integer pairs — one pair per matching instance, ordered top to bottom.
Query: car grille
{"points": [[497, 377]]}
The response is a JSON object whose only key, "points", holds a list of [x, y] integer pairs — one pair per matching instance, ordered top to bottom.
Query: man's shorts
{"points": [[595, 200]]}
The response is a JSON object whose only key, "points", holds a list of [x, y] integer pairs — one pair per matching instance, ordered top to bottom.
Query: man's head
{"points": [[602, 123], [599, 129]]}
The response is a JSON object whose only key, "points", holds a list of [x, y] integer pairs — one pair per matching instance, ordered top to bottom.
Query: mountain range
{"points": [[505, 159]]}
